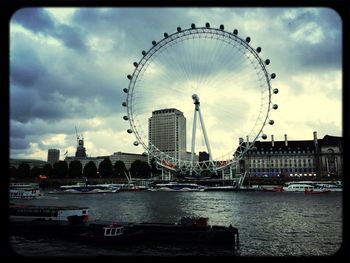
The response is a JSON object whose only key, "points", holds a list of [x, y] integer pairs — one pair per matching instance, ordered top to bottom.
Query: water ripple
{"points": [[269, 225]]}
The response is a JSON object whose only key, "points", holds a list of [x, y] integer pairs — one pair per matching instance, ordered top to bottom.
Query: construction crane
{"points": [[76, 132], [80, 138], [81, 151]]}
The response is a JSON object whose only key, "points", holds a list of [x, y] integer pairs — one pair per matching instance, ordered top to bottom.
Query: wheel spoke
{"points": [[224, 69]]}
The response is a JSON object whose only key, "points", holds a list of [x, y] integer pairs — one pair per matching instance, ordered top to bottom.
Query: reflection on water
{"points": [[273, 224]]}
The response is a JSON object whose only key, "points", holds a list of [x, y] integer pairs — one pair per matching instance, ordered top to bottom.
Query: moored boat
{"points": [[300, 186], [129, 187], [178, 187], [297, 187], [332, 187], [83, 188], [221, 188], [230, 188], [277, 189], [24, 190], [316, 191], [71, 214]]}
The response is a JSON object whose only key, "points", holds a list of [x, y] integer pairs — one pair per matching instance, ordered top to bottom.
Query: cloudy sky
{"points": [[68, 68]]}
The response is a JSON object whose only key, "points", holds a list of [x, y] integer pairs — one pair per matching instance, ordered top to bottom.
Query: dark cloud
{"points": [[35, 19], [38, 20], [135, 25], [71, 37], [307, 51], [320, 57], [25, 67], [23, 75], [59, 84], [54, 86], [21, 103], [26, 105], [48, 110], [40, 127], [17, 130], [19, 143]]}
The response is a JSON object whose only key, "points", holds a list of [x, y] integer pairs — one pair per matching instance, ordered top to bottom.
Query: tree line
{"points": [[75, 169]]}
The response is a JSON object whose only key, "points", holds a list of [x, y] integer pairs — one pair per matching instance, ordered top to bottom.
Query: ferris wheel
{"points": [[212, 78]]}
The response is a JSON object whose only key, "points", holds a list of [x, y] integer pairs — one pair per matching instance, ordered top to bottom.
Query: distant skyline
{"points": [[68, 67]]}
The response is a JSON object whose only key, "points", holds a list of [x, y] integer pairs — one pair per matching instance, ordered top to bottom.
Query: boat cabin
{"points": [[113, 230]]}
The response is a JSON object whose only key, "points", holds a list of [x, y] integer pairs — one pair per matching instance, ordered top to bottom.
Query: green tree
{"points": [[105, 168], [60, 169], [75, 169], [119, 169], [140, 169], [23, 170], [47, 170], [90, 170], [13, 172], [35, 172]]}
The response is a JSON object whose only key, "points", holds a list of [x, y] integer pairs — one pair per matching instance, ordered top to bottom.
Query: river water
{"points": [[269, 224]]}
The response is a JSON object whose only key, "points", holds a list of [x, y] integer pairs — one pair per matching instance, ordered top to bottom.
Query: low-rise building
{"points": [[128, 158], [85, 160]]}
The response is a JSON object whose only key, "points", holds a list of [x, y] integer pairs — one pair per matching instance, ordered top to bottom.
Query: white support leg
{"points": [[197, 109], [205, 136], [193, 139], [169, 176]]}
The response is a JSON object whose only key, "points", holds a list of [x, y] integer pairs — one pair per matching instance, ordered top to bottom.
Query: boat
{"points": [[300, 186], [129, 187], [178, 187], [297, 187], [332, 187], [83, 188], [221, 188], [229, 188], [278, 189], [24, 190], [316, 191], [71, 214], [189, 231], [113, 233]]}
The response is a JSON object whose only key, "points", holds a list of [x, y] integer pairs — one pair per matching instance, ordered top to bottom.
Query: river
{"points": [[269, 224]]}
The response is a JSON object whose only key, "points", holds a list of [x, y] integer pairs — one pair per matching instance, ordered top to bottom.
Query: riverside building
{"points": [[81, 156], [128, 158], [297, 158]]}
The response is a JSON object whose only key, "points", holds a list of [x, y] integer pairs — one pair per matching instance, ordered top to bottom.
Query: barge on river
{"points": [[189, 231]]}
